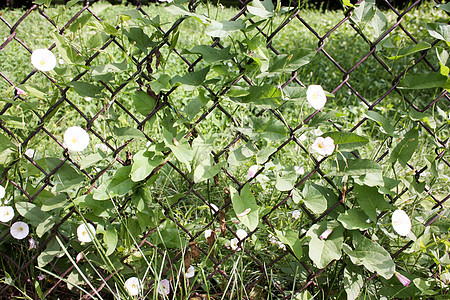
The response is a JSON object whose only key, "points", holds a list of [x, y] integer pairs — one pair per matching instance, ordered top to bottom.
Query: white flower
{"points": [[43, 60], [316, 96], [76, 138], [323, 146], [29, 153], [299, 170], [252, 171], [2, 192], [6, 213], [296, 214], [401, 222], [19, 230], [86, 233], [208, 233], [241, 234], [325, 234], [234, 244], [281, 245], [190, 272], [133, 286], [164, 287]]}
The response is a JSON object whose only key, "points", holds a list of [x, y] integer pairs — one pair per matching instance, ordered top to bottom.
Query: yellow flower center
{"points": [[42, 62], [74, 140], [20, 229]]}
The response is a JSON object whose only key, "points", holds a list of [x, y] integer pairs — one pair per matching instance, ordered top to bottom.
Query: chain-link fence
{"points": [[39, 180]]}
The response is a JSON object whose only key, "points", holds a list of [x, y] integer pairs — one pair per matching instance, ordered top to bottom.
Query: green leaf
{"points": [[445, 7], [263, 9], [363, 12], [80, 21], [223, 28], [440, 31], [137, 36], [420, 46], [210, 54], [291, 62], [104, 72], [191, 79], [424, 81], [161, 84], [85, 89], [265, 96], [143, 102], [384, 122], [271, 129], [128, 133], [347, 141], [180, 148], [405, 149], [90, 160], [144, 162], [358, 167], [205, 170], [285, 181], [121, 183], [314, 199], [370, 200], [55, 202], [245, 207], [31, 212], [354, 219], [110, 238], [290, 238], [324, 251], [49, 253], [371, 255], [353, 283], [425, 286]]}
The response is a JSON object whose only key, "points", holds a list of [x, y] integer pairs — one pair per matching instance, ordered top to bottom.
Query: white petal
{"points": [[43, 60], [76, 138], [6, 213], [19, 230], [84, 234]]}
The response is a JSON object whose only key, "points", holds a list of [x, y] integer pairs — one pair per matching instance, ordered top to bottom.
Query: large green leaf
{"points": [[263, 9], [223, 28], [440, 31], [420, 46], [210, 54], [291, 62], [192, 79], [424, 81], [85, 89], [265, 96], [143, 102], [385, 123], [128, 133], [347, 141], [405, 149], [144, 162], [357, 167], [121, 183], [314, 199], [370, 200], [245, 207], [32, 213], [354, 219], [110, 238], [290, 238], [324, 251], [371, 255], [353, 283]]}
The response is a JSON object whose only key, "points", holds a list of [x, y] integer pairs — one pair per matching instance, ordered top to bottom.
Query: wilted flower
{"points": [[43, 60], [20, 92], [316, 96], [76, 138], [323, 146], [29, 153], [299, 170], [252, 171], [2, 192], [214, 207], [6, 213], [296, 214], [401, 222], [19, 230], [86, 232], [208, 233], [241, 234], [325, 234], [33, 244], [234, 244], [281, 245], [79, 257], [190, 272], [41, 277], [403, 279], [133, 286], [164, 287]]}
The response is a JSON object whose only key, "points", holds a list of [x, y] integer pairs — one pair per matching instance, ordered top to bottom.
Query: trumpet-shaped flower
{"points": [[43, 60], [20, 92], [316, 96], [76, 138], [323, 146], [252, 171], [2, 192], [6, 213], [296, 214], [401, 222], [19, 230], [86, 232], [241, 234], [325, 234], [33, 244], [234, 244], [190, 272], [403, 279], [133, 286], [164, 287]]}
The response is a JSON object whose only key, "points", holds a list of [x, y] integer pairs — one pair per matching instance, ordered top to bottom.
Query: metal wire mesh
{"points": [[44, 130]]}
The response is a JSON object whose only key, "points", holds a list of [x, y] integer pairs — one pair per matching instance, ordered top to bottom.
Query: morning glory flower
{"points": [[43, 60], [20, 92], [316, 96], [76, 138], [323, 146], [29, 153], [252, 171], [2, 192], [6, 213], [296, 214], [401, 222], [19, 230], [86, 233], [241, 234], [325, 234], [33, 244], [234, 244], [190, 272], [403, 279], [133, 286], [164, 287]]}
